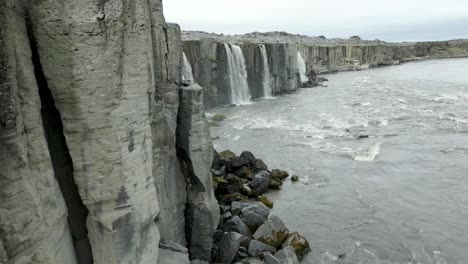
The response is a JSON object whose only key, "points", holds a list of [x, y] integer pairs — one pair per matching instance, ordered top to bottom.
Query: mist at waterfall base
{"points": [[396, 196]]}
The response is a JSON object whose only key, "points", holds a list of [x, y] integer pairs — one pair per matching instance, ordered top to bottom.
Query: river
{"points": [[382, 157]]}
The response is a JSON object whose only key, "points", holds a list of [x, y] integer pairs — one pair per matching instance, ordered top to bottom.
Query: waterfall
{"points": [[302, 68], [187, 70], [237, 71], [266, 73]]}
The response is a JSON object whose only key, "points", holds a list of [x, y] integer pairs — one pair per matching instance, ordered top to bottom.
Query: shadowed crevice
{"points": [[62, 162]]}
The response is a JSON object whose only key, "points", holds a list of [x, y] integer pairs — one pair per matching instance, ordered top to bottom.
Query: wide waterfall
{"points": [[302, 68], [266, 73], [187, 74], [240, 93]]}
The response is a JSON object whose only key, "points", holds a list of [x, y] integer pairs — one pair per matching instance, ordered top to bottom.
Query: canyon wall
{"points": [[209, 61], [91, 137]]}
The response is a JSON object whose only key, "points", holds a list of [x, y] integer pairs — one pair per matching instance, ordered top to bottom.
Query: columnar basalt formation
{"points": [[320, 56], [89, 123]]}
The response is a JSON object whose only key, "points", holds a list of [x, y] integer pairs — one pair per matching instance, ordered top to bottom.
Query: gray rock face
{"points": [[195, 151], [92, 176], [33, 214], [228, 247]]}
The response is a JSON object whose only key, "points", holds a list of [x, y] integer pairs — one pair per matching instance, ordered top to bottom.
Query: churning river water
{"points": [[398, 194]]}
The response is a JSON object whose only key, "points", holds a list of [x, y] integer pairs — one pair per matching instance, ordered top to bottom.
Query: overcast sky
{"points": [[391, 20]]}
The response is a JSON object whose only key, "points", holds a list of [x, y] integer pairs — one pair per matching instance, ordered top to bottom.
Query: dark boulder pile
{"points": [[247, 231]]}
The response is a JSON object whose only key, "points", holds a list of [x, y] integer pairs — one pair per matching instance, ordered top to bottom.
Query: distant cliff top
{"points": [[276, 37], [285, 37]]}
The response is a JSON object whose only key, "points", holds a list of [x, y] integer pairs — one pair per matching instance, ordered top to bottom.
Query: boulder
{"points": [[218, 118], [227, 154], [249, 157], [238, 162], [260, 165], [244, 172], [279, 174], [295, 178], [234, 180], [260, 183], [275, 184], [229, 198], [266, 201], [236, 207], [254, 215], [235, 224], [273, 232], [298, 243], [228, 247], [257, 248], [287, 256], [197, 261]]}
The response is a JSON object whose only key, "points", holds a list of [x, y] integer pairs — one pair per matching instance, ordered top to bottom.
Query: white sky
{"points": [[392, 20]]}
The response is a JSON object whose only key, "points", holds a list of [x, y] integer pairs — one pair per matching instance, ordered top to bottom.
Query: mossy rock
{"points": [[218, 117], [213, 124], [227, 154], [266, 201], [275, 239], [299, 244]]}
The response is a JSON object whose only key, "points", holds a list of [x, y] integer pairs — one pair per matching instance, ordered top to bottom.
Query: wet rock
{"points": [[218, 118], [213, 124], [227, 154], [249, 157], [238, 162], [260, 165], [244, 172], [279, 174], [295, 178], [234, 180], [260, 183], [275, 184], [229, 198], [266, 201], [236, 207], [225, 208], [227, 215], [254, 215], [235, 224], [272, 232], [298, 243], [228, 247], [257, 248], [287, 255], [270, 259]]}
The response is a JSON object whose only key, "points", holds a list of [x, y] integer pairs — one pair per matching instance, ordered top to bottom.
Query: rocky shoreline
{"points": [[247, 232]]}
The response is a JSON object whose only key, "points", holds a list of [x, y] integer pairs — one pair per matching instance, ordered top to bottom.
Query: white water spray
{"points": [[302, 68], [187, 70], [266, 73], [240, 93]]}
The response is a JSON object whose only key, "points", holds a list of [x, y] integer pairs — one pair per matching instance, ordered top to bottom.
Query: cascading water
{"points": [[302, 68], [187, 70], [237, 71], [266, 73]]}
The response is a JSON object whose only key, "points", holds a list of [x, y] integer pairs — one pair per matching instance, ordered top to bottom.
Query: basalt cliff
{"points": [[290, 61], [104, 155]]}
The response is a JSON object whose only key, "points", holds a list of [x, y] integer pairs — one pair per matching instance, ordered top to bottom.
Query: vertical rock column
{"points": [[98, 58], [196, 153], [33, 215]]}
